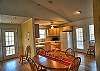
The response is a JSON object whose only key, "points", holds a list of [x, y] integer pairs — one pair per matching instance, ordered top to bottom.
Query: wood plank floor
{"points": [[88, 63]]}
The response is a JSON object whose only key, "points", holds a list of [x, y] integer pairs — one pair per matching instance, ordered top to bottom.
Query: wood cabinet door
{"points": [[57, 31], [50, 32], [54, 32]]}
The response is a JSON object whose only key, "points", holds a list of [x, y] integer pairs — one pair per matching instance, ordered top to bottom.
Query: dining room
{"points": [[57, 35]]}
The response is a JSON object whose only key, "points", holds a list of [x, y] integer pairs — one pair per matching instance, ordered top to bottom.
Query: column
{"points": [[96, 13]]}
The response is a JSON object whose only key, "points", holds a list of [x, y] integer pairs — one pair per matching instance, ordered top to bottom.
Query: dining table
{"points": [[49, 64]]}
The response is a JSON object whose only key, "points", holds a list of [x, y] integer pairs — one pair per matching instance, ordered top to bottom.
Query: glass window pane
{"points": [[91, 32], [6, 33], [10, 33], [42, 33], [42, 36], [79, 36], [12, 38], [6, 39], [9, 40], [7, 43], [10, 50]]}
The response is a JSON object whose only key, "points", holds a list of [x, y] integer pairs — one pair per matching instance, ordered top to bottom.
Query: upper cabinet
{"points": [[67, 28], [54, 32]]}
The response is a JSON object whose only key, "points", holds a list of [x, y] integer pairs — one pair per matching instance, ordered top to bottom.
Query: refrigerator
{"points": [[66, 40]]}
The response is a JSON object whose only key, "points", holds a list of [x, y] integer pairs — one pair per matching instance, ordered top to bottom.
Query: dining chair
{"points": [[47, 46], [91, 50], [41, 51], [70, 51], [24, 57], [34, 66], [74, 66]]}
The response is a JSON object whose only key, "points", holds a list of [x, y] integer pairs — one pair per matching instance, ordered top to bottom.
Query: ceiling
{"points": [[67, 8], [58, 10], [12, 19]]}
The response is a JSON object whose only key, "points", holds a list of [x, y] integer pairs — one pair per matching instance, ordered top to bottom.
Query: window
{"points": [[42, 33], [91, 33], [79, 36], [69, 39], [9, 41]]}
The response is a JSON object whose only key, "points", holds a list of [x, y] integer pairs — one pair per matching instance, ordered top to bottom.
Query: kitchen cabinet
{"points": [[54, 32]]}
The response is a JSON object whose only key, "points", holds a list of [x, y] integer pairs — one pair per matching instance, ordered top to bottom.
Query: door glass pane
{"points": [[79, 36], [9, 40]]}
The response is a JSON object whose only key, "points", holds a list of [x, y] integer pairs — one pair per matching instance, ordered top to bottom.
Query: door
{"points": [[79, 37], [9, 43]]}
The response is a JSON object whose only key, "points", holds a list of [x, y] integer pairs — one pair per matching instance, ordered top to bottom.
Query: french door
{"points": [[9, 43]]}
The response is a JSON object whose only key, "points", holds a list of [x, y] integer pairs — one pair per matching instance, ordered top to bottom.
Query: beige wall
{"points": [[96, 11], [85, 25], [27, 33]]}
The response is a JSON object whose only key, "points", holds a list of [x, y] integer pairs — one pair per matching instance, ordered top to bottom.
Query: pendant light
{"points": [[52, 27]]}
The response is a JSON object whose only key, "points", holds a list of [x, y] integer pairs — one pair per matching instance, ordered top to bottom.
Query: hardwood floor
{"points": [[88, 63]]}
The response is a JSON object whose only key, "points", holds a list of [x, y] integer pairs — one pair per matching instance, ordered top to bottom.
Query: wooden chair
{"points": [[47, 46], [58, 46], [91, 50], [40, 51], [70, 51], [24, 57], [34, 66], [74, 66]]}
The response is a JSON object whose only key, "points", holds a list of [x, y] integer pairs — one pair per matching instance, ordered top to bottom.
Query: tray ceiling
{"points": [[67, 8], [47, 9], [12, 19]]}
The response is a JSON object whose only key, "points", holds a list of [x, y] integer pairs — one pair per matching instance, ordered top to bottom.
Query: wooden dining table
{"points": [[50, 64]]}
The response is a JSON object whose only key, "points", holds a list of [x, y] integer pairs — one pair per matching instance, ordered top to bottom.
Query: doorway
{"points": [[9, 43]]}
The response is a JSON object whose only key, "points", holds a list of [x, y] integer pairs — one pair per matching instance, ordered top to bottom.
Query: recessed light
{"points": [[50, 2], [38, 4], [77, 12]]}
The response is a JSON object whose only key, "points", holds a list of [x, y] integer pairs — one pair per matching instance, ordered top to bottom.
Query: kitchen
{"points": [[59, 36]]}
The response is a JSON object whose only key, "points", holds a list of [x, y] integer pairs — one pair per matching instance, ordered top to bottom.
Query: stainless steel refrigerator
{"points": [[66, 40]]}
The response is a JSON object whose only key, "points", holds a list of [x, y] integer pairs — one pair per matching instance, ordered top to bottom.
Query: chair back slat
{"points": [[41, 51], [70, 51], [28, 52], [32, 64], [74, 66]]}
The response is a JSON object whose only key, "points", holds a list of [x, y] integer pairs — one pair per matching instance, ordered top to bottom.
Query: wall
{"points": [[96, 11], [85, 25], [8, 26], [27, 33]]}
